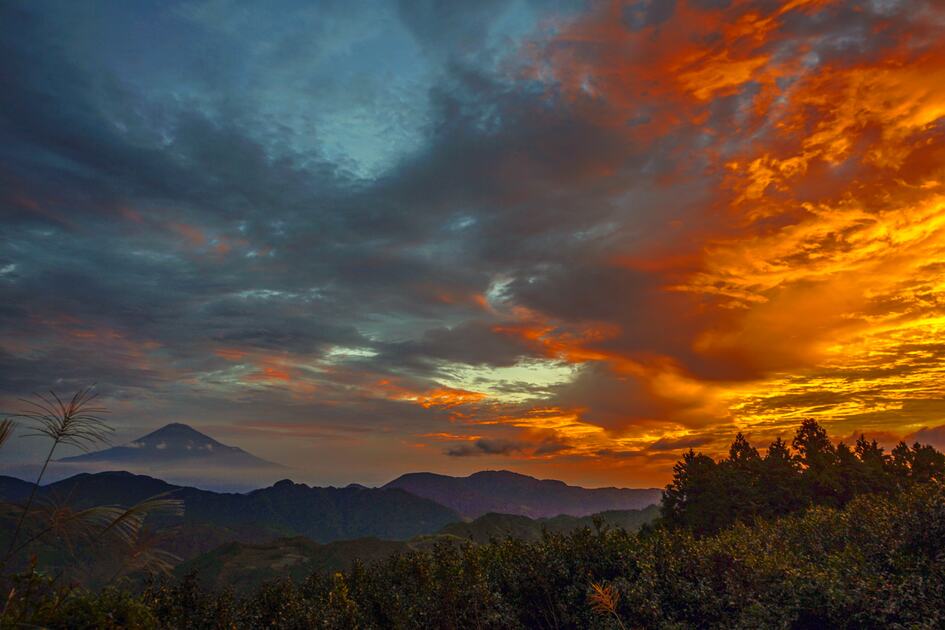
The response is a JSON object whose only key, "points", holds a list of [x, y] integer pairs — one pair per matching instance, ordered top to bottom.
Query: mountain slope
{"points": [[13, 489], [511, 493], [284, 509], [500, 526], [245, 566]]}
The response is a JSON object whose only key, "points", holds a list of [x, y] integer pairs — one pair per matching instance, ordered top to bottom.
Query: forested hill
{"points": [[706, 495], [286, 508], [246, 565]]}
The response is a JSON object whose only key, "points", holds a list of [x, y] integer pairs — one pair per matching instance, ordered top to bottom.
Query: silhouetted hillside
{"points": [[13, 489], [506, 492], [284, 509], [498, 526], [243, 566]]}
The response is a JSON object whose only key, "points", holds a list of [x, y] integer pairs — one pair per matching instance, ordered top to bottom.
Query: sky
{"points": [[568, 239]]}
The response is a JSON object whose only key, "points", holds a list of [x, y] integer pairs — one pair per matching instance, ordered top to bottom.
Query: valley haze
{"points": [[182, 455]]}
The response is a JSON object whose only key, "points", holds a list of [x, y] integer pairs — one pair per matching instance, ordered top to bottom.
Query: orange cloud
{"points": [[811, 272], [230, 354], [436, 397]]}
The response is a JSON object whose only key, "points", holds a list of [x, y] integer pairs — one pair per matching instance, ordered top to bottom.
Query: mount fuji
{"points": [[179, 453]]}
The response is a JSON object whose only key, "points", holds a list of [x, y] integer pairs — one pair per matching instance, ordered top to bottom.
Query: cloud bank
{"points": [[569, 239]]}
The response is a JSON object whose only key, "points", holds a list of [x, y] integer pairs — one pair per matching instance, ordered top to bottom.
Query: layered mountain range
{"points": [[183, 456], [511, 493], [283, 509], [241, 539]]}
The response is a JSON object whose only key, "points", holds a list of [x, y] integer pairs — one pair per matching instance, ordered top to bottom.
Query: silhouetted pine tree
{"points": [[817, 457], [921, 463], [741, 474], [875, 474], [779, 481], [706, 496], [696, 497]]}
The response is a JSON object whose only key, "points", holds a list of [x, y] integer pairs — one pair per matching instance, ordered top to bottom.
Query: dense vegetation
{"points": [[807, 536], [880, 562]]}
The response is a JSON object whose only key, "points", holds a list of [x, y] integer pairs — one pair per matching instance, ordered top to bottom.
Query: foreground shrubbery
{"points": [[879, 562]]}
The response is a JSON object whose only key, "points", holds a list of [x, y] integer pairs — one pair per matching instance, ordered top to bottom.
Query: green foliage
{"points": [[877, 563], [35, 599]]}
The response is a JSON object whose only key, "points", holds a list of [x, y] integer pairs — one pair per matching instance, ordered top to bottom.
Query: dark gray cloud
{"points": [[644, 13], [162, 228], [675, 444], [487, 447]]}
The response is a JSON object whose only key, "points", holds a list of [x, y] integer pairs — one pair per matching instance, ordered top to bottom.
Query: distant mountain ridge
{"points": [[507, 492], [293, 529]]}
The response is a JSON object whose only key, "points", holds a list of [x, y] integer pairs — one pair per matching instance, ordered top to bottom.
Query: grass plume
{"points": [[77, 422], [604, 600]]}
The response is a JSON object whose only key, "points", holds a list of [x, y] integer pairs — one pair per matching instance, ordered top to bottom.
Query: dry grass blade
{"points": [[76, 422], [6, 430], [62, 524], [127, 524], [97, 525], [82, 526], [146, 557], [604, 599]]}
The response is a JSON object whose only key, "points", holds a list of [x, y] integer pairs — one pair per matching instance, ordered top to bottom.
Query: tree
{"points": [[742, 454], [817, 457], [921, 463], [874, 472], [849, 474], [741, 477], [779, 477], [696, 498]]}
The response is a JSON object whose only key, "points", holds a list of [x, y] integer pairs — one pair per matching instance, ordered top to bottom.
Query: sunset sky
{"points": [[571, 240]]}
